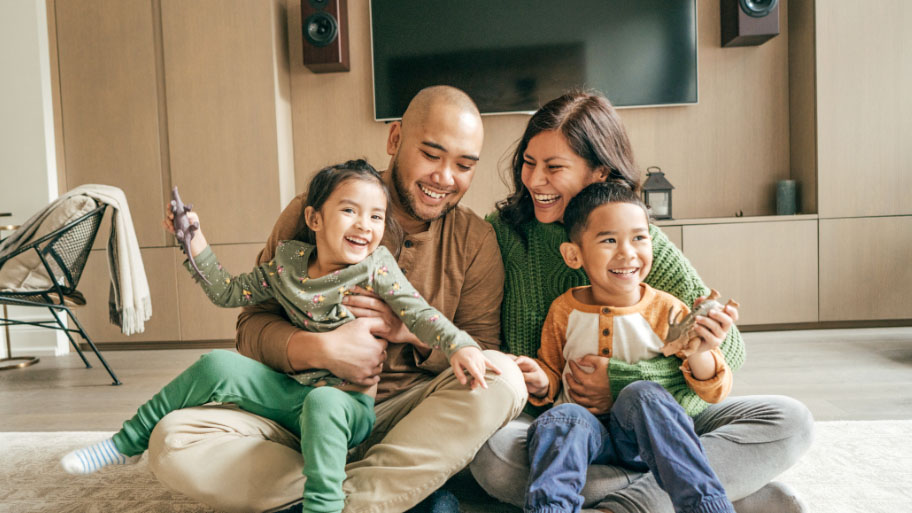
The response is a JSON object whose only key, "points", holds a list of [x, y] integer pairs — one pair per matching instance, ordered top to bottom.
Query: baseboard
{"points": [[826, 325], [175, 344]]}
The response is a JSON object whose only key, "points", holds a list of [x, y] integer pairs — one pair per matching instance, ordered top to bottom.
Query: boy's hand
{"points": [[198, 243], [713, 329], [472, 361], [534, 376]]}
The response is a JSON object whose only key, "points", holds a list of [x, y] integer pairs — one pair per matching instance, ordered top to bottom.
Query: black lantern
{"points": [[657, 193]]}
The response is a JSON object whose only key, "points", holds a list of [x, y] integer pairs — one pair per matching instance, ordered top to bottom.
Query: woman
{"points": [[573, 141]]}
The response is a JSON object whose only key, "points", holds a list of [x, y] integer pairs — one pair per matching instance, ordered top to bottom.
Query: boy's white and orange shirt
{"points": [[574, 329]]}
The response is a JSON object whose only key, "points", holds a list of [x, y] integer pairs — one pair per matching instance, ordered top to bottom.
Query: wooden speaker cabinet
{"points": [[749, 22], [325, 31]]}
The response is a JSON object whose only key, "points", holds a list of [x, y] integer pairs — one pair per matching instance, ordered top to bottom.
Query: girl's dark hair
{"points": [[593, 130], [328, 180], [576, 216]]}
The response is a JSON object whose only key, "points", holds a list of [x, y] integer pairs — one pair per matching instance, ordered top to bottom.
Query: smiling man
{"points": [[428, 425]]}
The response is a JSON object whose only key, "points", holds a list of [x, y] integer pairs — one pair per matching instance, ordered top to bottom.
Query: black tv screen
{"points": [[514, 55]]}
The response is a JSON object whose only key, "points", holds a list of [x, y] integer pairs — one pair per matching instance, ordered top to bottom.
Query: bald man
{"points": [[428, 425]]}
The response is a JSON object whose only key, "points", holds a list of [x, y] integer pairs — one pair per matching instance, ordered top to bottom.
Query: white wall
{"points": [[28, 166]]}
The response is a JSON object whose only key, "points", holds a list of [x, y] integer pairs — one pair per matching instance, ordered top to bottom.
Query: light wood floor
{"points": [[839, 374]]}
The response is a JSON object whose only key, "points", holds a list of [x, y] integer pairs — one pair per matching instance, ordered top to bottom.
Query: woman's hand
{"points": [[364, 303], [470, 360], [534, 376], [590, 388]]}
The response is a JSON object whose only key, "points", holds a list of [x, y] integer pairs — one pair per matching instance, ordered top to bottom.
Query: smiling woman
{"points": [[570, 142]]}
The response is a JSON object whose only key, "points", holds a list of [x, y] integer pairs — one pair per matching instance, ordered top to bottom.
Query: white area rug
{"points": [[852, 467]]}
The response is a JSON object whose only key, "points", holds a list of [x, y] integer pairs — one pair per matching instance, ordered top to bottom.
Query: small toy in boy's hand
{"points": [[183, 228], [680, 336]]}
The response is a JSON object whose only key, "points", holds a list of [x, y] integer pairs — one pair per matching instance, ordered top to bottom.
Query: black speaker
{"points": [[749, 22], [325, 30]]}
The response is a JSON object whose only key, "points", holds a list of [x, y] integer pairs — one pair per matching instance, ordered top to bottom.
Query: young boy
{"points": [[620, 317]]}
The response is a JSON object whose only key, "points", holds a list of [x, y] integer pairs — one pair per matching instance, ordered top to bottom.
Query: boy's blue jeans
{"points": [[647, 430]]}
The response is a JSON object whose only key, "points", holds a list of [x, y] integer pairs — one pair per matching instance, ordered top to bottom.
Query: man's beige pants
{"points": [[236, 461]]}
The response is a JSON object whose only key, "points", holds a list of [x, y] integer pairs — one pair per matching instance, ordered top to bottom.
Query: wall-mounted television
{"points": [[512, 56]]}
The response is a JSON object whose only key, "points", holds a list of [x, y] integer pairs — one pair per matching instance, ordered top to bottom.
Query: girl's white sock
{"points": [[94, 457]]}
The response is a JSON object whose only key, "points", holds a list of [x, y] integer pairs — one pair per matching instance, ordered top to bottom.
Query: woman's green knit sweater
{"points": [[536, 275]]}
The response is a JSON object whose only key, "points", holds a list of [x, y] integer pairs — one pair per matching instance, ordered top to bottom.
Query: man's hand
{"points": [[364, 303], [350, 352], [472, 361], [536, 380], [590, 388]]}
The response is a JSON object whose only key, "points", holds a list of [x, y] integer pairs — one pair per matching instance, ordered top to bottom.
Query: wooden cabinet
{"points": [[155, 93], [109, 104], [221, 105], [864, 116], [675, 235], [769, 266], [866, 268], [95, 285], [200, 319]]}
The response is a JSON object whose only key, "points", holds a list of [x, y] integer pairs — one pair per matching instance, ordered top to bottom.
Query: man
{"points": [[428, 425]]}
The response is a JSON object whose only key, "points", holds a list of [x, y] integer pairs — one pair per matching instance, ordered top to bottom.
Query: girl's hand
{"points": [[198, 242], [364, 303], [713, 329], [472, 361], [534, 376], [590, 388]]}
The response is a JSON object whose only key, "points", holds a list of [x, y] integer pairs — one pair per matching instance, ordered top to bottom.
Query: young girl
{"points": [[342, 226], [620, 317]]}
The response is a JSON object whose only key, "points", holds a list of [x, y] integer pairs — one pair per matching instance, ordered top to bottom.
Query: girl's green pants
{"points": [[328, 420]]}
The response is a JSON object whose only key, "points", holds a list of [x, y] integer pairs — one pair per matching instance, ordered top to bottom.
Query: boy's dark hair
{"points": [[328, 180], [576, 216]]}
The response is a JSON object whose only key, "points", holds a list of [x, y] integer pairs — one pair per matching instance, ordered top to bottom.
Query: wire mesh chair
{"points": [[63, 255]]}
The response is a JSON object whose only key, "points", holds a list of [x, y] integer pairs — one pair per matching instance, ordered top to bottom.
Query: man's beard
{"points": [[407, 199]]}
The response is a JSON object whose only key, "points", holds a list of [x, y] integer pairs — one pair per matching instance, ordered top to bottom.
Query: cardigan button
{"points": [[408, 243], [606, 311], [606, 332], [606, 351]]}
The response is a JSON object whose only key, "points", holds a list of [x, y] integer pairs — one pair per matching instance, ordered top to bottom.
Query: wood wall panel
{"points": [[219, 62], [864, 75], [109, 103], [803, 103], [723, 155], [769, 267], [865, 270], [200, 319], [164, 324]]}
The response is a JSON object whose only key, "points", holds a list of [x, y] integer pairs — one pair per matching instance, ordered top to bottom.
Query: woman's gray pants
{"points": [[748, 440]]}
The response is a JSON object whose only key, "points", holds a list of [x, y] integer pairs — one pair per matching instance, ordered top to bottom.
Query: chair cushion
{"points": [[25, 271]]}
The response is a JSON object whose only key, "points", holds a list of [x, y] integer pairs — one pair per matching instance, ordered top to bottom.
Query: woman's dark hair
{"points": [[593, 130], [328, 180], [576, 216]]}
